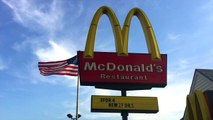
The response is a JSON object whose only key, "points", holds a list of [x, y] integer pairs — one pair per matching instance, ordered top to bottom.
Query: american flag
{"points": [[63, 67]]}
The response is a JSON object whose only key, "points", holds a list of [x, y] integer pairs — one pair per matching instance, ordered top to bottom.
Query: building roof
{"points": [[207, 73]]}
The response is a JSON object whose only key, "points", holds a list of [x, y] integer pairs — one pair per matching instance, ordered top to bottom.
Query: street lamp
{"points": [[71, 117]]}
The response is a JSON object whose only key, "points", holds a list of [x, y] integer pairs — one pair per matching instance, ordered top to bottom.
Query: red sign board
{"points": [[135, 71]]}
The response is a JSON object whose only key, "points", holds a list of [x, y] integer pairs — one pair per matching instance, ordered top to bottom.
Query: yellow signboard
{"points": [[123, 103]]}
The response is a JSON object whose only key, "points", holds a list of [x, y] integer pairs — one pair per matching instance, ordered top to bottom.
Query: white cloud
{"points": [[33, 15], [174, 37], [56, 51], [183, 63]]}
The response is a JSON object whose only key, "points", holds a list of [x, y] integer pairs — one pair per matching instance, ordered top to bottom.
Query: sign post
{"points": [[124, 114]]}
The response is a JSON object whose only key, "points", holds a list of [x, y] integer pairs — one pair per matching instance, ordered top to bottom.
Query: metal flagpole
{"points": [[77, 95]]}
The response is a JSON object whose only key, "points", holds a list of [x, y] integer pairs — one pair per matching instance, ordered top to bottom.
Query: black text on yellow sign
{"points": [[120, 103]]}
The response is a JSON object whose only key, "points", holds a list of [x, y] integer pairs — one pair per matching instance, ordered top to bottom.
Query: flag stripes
{"points": [[63, 67]]}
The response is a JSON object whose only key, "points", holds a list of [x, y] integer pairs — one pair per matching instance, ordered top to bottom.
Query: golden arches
{"points": [[147, 29], [121, 37], [88, 52], [201, 106], [191, 108], [197, 108]]}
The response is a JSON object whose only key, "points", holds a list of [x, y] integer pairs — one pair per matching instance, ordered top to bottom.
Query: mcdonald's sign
{"points": [[122, 70]]}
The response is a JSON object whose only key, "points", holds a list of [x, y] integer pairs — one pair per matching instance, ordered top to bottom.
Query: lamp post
{"points": [[71, 117]]}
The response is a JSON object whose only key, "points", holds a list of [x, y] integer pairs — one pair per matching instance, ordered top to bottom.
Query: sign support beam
{"points": [[124, 114]]}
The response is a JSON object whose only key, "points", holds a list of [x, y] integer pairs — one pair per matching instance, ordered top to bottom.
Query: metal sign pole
{"points": [[77, 95], [124, 114]]}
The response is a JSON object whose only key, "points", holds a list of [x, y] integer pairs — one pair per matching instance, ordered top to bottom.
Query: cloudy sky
{"points": [[38, 30]]}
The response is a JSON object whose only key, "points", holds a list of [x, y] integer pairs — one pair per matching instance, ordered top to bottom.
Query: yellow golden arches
{"points": [[148, 31], [121, 37], [89, 49], [201, 106], [191, 108], [197, 108]]}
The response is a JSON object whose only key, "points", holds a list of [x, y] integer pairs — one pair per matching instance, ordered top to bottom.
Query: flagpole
{"points": [[77, 95]]}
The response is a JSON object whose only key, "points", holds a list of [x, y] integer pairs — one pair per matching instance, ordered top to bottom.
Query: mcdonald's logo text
{"points": [[109, 66]]}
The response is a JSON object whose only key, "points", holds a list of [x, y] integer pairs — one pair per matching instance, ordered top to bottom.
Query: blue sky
{"points": [[37, 30]]}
